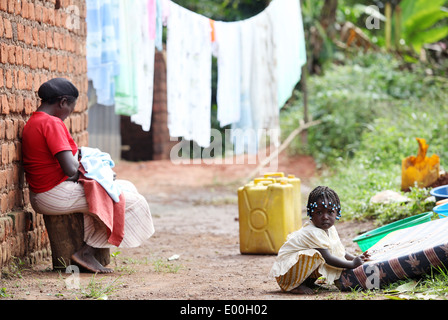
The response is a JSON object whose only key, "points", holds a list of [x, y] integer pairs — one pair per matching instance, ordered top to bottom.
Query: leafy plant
{"points": [[419, 21]]}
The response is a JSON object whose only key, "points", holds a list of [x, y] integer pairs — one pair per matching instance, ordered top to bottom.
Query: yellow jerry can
{"points": [[297, 195], [266, 215]]}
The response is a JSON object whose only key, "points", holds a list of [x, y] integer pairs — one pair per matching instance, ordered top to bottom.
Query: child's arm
{"points": [[338, 262]]}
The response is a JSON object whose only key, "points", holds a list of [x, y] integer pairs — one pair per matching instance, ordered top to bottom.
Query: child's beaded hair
{"points": [[326, 196]]}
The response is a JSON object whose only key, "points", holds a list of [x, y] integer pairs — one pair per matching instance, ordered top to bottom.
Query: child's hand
{"points": [[357, 261]]}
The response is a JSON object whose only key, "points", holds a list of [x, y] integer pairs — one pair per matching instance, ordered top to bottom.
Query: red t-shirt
{"points": [[43, 137]]}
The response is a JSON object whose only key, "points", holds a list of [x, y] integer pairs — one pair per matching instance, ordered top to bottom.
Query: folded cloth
{"points": [[98, 166], [111, 213]]}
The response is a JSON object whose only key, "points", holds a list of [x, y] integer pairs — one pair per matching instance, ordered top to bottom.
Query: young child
{"points": [[314, 250]]}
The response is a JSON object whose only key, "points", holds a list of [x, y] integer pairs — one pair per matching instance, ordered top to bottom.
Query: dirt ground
{"points": [[194, 253]]}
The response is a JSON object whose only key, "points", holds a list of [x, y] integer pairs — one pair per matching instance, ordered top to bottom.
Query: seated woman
{"points": [[50, 161]]}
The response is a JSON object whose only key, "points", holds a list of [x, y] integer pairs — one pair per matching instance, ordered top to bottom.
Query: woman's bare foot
{"points": [[86, 259]]}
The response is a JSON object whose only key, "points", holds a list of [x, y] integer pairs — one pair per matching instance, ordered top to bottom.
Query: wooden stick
{"points": [[288, 140]]}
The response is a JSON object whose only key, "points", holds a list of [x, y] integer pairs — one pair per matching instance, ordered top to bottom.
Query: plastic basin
{"points": [[440, 193], [441, 210], [368, 239]]}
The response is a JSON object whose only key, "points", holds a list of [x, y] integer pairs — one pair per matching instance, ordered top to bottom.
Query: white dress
{"points": [[298, 258]]}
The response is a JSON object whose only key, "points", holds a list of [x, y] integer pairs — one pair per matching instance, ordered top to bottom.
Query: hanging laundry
{"points": [[286, 17], [159, 25], [102, 48], [228, 53], [145, 69], [189, 72], [135, 81], [258, 86], [126, 88], [264, 105], [243, 135]]}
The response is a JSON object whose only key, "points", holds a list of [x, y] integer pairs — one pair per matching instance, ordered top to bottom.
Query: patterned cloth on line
{"points": [[406, 253]]}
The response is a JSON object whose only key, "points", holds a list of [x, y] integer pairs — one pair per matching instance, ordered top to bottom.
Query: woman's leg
{"points": [[67, 198]]}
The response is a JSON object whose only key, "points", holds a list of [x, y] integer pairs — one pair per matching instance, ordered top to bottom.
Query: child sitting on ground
{"points": [[314, 250]]}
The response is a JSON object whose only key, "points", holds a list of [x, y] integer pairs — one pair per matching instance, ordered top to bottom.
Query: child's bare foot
{"points": [[86, 259], [303, 289]]}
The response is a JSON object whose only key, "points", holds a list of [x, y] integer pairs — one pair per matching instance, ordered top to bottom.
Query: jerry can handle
{"points": [[274, 174], [258, 180]]}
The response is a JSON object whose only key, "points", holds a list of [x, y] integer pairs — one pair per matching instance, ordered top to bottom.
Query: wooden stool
{"points": [[66, 233]]}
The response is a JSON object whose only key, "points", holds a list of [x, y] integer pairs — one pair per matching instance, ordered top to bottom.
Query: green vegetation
{"points": [[372, 109]]}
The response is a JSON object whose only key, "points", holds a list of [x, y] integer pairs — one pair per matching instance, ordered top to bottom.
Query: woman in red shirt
{"points": [[50, 161]]}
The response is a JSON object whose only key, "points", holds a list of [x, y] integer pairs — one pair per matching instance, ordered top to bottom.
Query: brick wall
{"points": [[39, 40]]}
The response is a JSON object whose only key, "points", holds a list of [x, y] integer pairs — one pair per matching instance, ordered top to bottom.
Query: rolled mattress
{"points": [[403, 254]]}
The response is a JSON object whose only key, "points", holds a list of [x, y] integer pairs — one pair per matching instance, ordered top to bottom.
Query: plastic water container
{"points": [[440, 193], [297, 194], [441, 210], [266, 215]]}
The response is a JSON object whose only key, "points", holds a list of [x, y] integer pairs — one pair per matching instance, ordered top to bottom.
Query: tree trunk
{"points": [[66, 233]]}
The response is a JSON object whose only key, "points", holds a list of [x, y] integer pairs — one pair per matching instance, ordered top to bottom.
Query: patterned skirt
{"points": [[305, 268]]}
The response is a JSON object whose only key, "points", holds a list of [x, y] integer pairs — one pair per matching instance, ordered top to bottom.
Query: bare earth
{"points": [[195, 214]]}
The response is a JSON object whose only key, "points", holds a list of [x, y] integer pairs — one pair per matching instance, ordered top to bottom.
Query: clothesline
{"points": [[259, 62]]}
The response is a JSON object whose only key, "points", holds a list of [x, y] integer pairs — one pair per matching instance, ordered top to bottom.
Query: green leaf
{"points": [[429, 36]]}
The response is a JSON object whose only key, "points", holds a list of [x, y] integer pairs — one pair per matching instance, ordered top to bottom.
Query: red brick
{"points": [[4, 5], [11, 6], [18, 7], [25, 9], [38, 12], [31, 14], [2, 28], [8, 28], [20, 32], [35, 34], [28, 35], [49, 37], [42, 38], [4, 53], [11, 54], [19, 55], [26, 57], [33, 59], [8, 78], [29, 81], [2, 84], [19, 103], [5, 104], [12, 107], [9, 133], [12, 155], [5, 156], [3, 182]]}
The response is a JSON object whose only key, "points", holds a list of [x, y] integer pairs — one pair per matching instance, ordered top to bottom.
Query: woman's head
{"points": [[61, 94], [323, 207]]}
